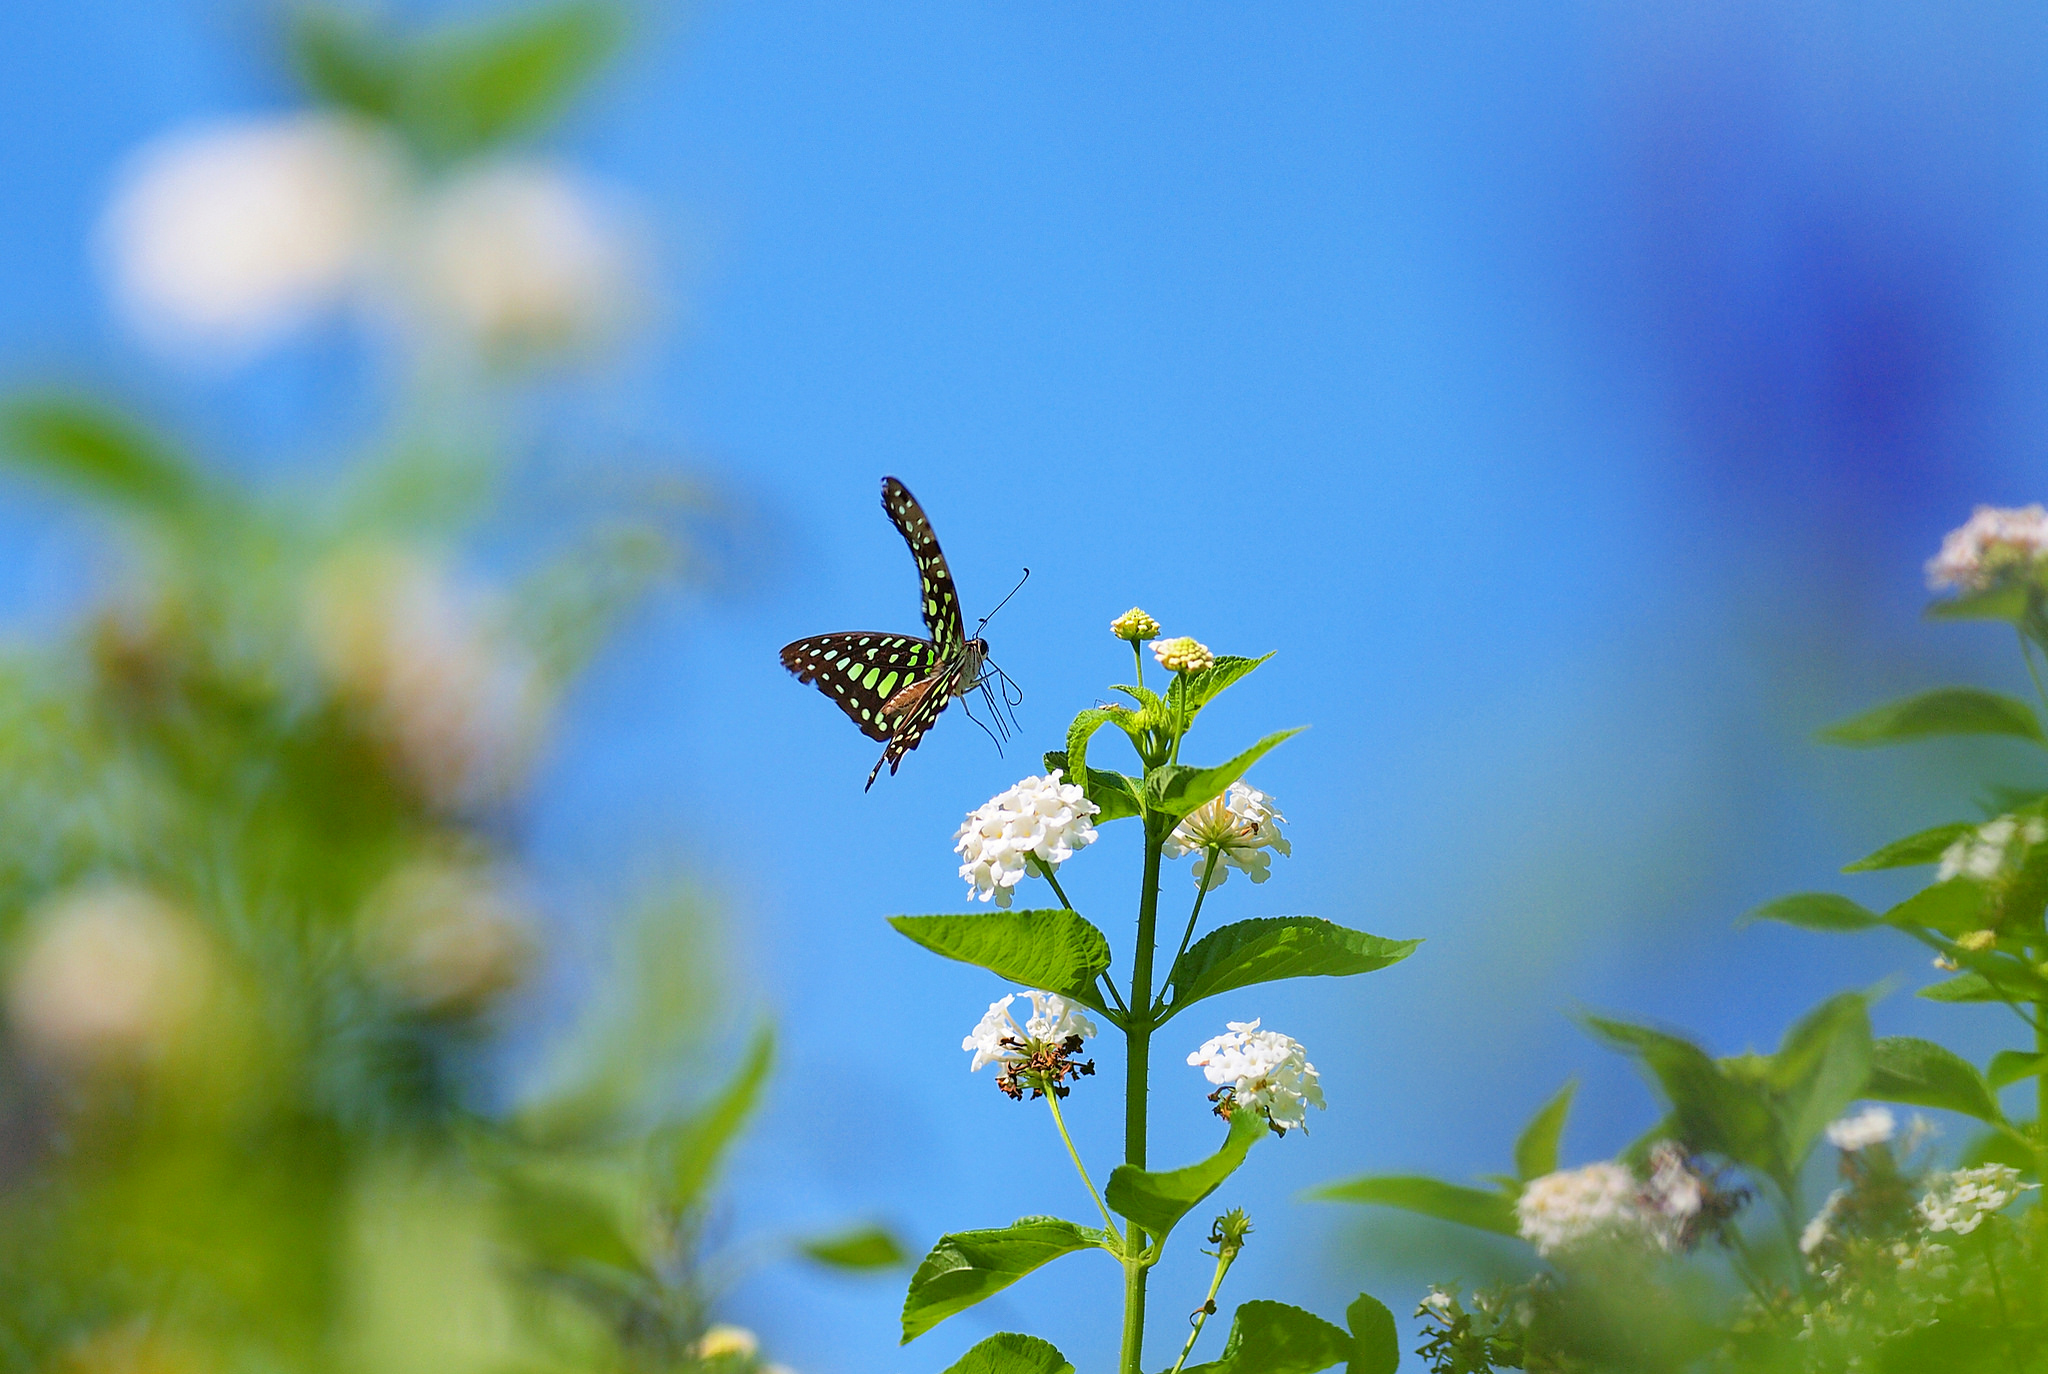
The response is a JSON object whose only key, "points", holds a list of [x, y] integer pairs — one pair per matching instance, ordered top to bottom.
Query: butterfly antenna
{"points": [[1000, 604]]}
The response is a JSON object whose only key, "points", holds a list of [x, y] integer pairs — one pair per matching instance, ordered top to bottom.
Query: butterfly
{"points": [[895, 686]]}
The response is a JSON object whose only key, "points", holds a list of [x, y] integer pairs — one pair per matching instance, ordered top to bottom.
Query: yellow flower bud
{"points": [[1134, 625], [1182, 655], [1977, 941]]}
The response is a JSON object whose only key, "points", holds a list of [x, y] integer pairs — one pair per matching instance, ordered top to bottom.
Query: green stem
{"points": [[2027, 653], [1180, 727], [1045, 872], [1201, 891], [1137, 1074], [1052, 1099], [1224, 1256]]}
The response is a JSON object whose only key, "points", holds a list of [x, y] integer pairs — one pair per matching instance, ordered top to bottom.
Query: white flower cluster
{"points": [[223, 238], [1991, 542], [1183, 655], [1039, 818], [1240, 826], [1988, 850], [998, 1039], [1262, 1071], [1871, 1126], [1958, 1201], [1563, 1210], [1822, 1227]]}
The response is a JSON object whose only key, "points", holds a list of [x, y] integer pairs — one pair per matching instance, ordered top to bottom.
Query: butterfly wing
{"points": [[940, 603], [862, 670], [912, 711]]}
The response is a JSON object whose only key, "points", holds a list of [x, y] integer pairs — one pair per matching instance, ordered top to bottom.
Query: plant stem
{"points": [[1208, 867], [1045, 872], [1137, 1075], [1052, 1099], [1224, 1256]]}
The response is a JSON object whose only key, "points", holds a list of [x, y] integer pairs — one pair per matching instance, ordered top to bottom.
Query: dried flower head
{"points": [[1992, 545], [1134, 625], [1182, 655], [1039, 818], [1240, 826], [1992, 849], [1038, 1055], [1260, 1071], [1873, 1125], [1228, 1231]]}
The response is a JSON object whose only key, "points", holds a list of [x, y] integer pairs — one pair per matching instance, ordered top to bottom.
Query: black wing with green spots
{"points": [[894, 687]]}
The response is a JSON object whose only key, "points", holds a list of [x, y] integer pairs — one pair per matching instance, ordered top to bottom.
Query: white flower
{"points": [[228, 235], [518, 257], [1993, 541], [1183, 655], [457, 700], [1039, 818], [1241, 826], [1991, 848], [445, 936], [111, 975], [997, 1038], [1261, 1071], [1871, 1126], [1674, 1197], [1959, 1200], [1562, 1210], [1822, 1226], [1436, 1302], [727, 1340]]}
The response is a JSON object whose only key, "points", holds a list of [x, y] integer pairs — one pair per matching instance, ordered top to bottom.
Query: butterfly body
{"points": [[894, 686]]}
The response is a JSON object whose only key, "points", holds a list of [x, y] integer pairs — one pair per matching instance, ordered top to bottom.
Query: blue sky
{"points": [[1569, 394]]}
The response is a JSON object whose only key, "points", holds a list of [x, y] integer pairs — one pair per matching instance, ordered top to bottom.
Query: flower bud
{"points": [[1134, 625], [1182, 655], [1977, 941], [728, 1340]]}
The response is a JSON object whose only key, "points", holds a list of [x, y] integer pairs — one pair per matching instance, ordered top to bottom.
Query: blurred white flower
{"points": [[224, 236], [520, 258], [1992, 542], [1182, 655], [459, 703], [1040, 818], [1241, 825], [1991, 848], [445, 935], [111, 975], [1261, 1071], [1871, 1126], [1959, 1200], [1567, 1208], [1822, 1226], [1438, 1303], [727, 1340]]}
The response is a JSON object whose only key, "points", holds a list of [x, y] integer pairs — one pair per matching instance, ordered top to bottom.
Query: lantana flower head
{"points": [[1991, 545], [1134, 625], [1183, 655], [1039, 818], [1241, 825], [1991, 849], [1039, 1054], [1260, 1071], [1871, 1126], [1959, 1200], [1570, 1207]]}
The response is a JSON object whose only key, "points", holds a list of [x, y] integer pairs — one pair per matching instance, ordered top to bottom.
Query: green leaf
{"points": [[343, 60], [476, 85], [89, 446], [2002, 603], [1190, 692], [1944, 711], [1084, 725], [1173, 790], [1117, 796], [1924, 847], [1952, 908], [1814, 911], [1275, 947], [1050, 948], [1964, 987], [2010, 1066], [1821, 1067], [1924, 1074], [1713, 1112], [1997, 1147], [694, 1148], [1536, 1149], [1429, 1197], [1157, 1201], [563, 1226], [868, 1247], [968, 1266], [1274, 1338], [1375, 1346], [1009, 1353]]}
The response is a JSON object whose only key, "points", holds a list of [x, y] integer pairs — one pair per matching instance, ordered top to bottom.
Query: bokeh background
{"points": [[1569, 394]]}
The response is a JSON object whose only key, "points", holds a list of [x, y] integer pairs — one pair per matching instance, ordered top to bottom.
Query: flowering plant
{"points": [[1264, 1083]]}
